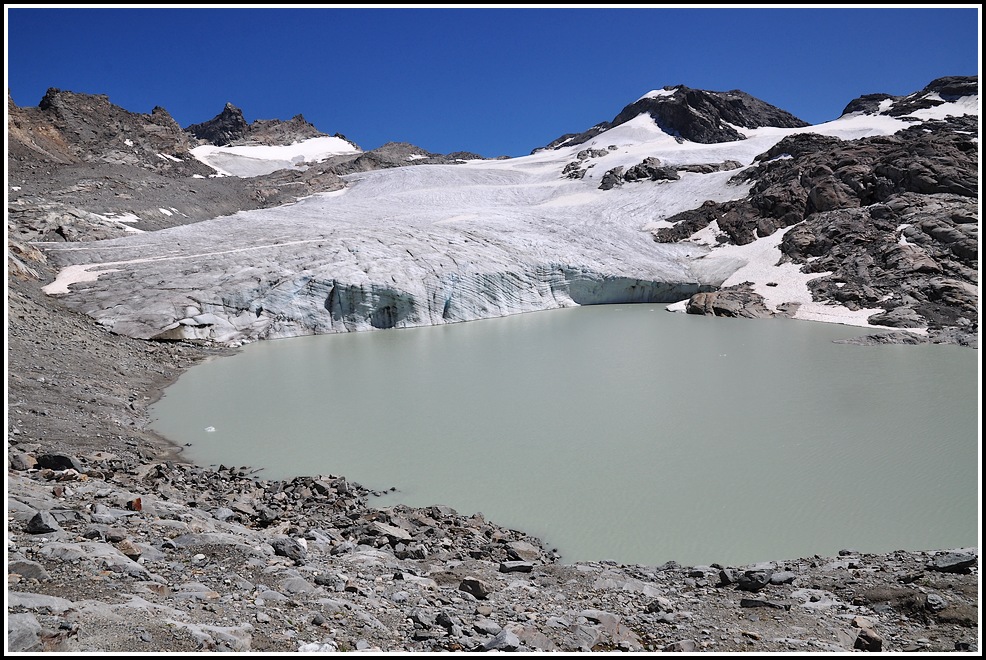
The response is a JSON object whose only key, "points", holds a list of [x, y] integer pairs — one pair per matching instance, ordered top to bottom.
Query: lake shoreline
{"points": [[141, 555]]}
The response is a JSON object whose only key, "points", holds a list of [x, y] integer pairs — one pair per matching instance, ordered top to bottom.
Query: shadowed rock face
{"points": [[695, 115], [225, 128], [230, 128]]}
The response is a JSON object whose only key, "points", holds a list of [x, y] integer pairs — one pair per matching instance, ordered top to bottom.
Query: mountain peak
{"points": [[695, 115], [229, 127], [225, 128]]}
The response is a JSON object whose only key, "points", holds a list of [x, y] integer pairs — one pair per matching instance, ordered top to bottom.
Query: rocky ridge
{"points": [[693, 114], [230, 128], [81, 168], [888, 221], [117, 545]]}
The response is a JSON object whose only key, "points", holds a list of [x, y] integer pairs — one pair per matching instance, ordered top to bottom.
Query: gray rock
{"points": [[651, 170], [612, 178], [737, 302], [899, 317], [21, 461], [43, 522], [393, 534], [285, 546], [523, 551], [102, 554], [953, 562], [516, 567], [27, 569], [782, 577], [754, 580], [295, 585], [475, 587], [40, 602], [660, 604], [423, 617], [446, 621], [486, 626], [23, 633], [531, 637], [867, 639], [502, 641], [683, 646]]}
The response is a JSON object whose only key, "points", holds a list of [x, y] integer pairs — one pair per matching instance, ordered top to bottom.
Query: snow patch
{"points": [[657, 93], [966, 105], [256, 160], [112, 218], [708, 235], [903, 239], [74, 274], [789, 284]]}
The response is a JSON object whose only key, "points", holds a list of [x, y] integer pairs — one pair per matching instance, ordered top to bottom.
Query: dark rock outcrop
{"points": [[936, 93], [695, 115], [229, 127], [225, 128], [650, 169], [890, 221], [737, 302]]}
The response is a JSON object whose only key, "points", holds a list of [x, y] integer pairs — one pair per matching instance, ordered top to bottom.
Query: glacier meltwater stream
{"points": [[619, 432]]}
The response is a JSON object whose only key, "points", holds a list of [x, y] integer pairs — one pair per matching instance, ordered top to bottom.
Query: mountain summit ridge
{"points": [[696, 115], [230, 128]]}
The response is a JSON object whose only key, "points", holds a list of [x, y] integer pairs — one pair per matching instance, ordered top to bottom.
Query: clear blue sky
{"points": [[492, 81]]}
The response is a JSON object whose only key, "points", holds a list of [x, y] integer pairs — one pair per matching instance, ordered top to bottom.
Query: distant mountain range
{"points": [[872, 219]]}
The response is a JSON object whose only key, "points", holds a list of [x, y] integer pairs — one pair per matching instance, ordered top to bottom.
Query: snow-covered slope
{"points": [[256, 160], [444, 243]]}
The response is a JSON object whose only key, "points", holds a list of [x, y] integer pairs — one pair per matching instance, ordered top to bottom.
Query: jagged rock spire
{"points": [[225, 128]]}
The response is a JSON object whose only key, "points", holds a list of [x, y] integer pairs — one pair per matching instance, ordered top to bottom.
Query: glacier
{"points": [[433, 244]]}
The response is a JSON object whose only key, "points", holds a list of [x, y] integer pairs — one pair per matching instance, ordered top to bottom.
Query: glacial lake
{"points": [[616, 432]]}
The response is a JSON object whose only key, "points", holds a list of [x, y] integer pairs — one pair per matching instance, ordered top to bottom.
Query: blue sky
{"points": [[495, 81]]}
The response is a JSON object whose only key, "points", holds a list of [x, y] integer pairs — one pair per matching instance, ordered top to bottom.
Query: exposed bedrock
{"points": [[693, 114], [807, 173], [887, 222], [738, 302], [307, 305]]}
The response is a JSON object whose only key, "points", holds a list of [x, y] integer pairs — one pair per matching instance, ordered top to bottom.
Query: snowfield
{"points": [[434, 244]]}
